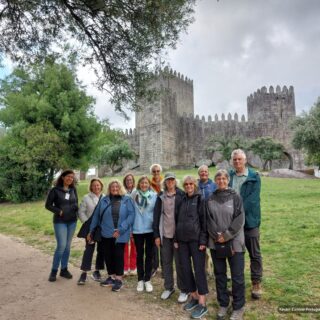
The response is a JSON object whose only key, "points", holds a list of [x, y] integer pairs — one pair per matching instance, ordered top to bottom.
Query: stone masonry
{"points": [[167, 132]]}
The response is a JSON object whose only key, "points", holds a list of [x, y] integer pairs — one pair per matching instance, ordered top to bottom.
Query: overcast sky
{"points": [[235, 47]]}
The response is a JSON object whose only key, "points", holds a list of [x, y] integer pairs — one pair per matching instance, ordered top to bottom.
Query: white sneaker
{"points": [[148, 285], [140, 286], [166, 294], [183, 297]]}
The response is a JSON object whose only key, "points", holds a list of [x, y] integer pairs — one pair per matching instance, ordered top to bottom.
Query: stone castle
{"points": [[167, 132]]}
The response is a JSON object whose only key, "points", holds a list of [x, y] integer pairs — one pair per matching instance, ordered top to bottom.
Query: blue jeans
{"points": [[64, 233]]}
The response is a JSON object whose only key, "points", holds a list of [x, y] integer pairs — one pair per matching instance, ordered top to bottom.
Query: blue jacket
{"points": [[206, 189], [250, 195], [126, 217], [143, 221]]}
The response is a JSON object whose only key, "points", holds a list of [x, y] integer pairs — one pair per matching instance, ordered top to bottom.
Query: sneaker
{"points": [[126, 272], [133, 272], [64, 273], [53, 276], [96, 276], [83, 278], [107, 283], [117, 285], [148, 285], [140, 286], [256, 291], [166, 294], [183, 297], [191, 304], [199, 311], [222, 312], [237, 314]]}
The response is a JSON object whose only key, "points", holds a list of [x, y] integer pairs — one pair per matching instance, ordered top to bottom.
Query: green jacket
{"points": [[250, 194]]}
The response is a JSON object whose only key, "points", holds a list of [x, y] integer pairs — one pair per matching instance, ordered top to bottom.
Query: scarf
{"points": [[142, 198]]}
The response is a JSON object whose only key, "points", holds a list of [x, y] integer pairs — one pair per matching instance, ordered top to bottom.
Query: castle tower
{"points": [[273, 111], [156, 123]]}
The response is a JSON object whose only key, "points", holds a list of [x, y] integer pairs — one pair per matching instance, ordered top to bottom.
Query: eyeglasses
{"points": [[155, 171], [188, 184]]}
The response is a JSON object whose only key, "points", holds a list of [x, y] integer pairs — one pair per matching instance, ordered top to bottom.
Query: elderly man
{"points": [[247, 184], [206, 185]]}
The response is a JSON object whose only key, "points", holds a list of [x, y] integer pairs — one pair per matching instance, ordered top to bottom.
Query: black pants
{"points": [[252, 241], [144, 245], [88, 255], [114, 255], [155, 257], [236, 263], [198, 280]]}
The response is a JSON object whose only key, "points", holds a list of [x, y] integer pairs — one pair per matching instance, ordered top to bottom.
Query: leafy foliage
{"points": [[120, 39], [50, 126], [307, 134], [267, 149]]}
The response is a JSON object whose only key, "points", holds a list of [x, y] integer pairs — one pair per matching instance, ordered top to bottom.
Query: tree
{"points": [[120, 39], [50, 125], [307, 134], [225, 145], [112, 149], [267, 149]]}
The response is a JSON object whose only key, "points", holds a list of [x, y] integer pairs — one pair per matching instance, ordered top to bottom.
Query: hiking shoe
{"points": [[126, 272], [64, 273], [53, 276], [96, 276], [83, 278], [107, 283], [117, 285], [148, 285], [140, 286], [256, 291], [166, 294], [183, 297], [191, 305], [199, 311], [222, 312], [237, 314]]}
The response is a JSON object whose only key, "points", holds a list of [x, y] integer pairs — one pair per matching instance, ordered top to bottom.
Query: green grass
{"points": [[290, 243]]}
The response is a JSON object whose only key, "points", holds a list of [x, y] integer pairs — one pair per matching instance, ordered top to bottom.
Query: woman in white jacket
{"points": [[86, 209]]}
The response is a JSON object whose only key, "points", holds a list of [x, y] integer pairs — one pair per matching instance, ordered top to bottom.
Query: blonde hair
{"points": [[155, 165], [192, 179], [94, 180], [122, 190]]}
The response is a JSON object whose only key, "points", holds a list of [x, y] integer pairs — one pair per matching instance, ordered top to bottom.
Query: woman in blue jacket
{"points": [[144, 199], [115, 215]]}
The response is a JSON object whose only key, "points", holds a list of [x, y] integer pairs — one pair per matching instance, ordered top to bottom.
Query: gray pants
{"points": [[252, 240], [168, 252]]}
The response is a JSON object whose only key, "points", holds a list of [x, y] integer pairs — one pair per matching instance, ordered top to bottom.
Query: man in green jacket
{"points": [[247, 183]]}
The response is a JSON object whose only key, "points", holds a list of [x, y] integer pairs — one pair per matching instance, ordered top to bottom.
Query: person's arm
{"points": [[50, 203], [82, 213], [156, 218], [237, 221], [128, 222], [203, 224]]}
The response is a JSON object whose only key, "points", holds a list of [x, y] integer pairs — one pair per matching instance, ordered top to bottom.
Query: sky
{"points": [[235, 47]]}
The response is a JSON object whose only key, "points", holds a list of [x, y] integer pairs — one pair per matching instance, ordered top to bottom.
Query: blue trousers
{"points": [[64, 233]]}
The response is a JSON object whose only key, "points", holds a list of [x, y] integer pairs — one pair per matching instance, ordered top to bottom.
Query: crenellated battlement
{"points": [[174, 74], [263, 92], [223, 118]]}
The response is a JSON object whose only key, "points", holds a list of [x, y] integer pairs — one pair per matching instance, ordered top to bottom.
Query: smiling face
{"points": [[239, 162], [156, 173], [204, 175], [68, 179], [222, 182], [129, 183], [170, 184], [144, 185], [96, 187], [189, 187], [115, 189]]}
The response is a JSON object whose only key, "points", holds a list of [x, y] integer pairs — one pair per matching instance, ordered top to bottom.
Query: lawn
{"points": [[290, 243]]}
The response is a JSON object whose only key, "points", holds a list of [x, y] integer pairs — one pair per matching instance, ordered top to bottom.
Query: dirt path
{"points": [[26, 294]]}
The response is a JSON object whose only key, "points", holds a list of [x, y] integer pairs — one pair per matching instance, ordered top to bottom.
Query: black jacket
{"points": [[58, 200], [158, 210], [191, 220]]}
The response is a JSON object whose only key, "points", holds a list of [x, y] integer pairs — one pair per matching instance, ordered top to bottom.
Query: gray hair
{"points": [[238, 151], [155, 165], [204, 166], [222, 172]]}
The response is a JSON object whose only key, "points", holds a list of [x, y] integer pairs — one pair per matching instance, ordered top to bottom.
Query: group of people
{"points": [[139, 219]]}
